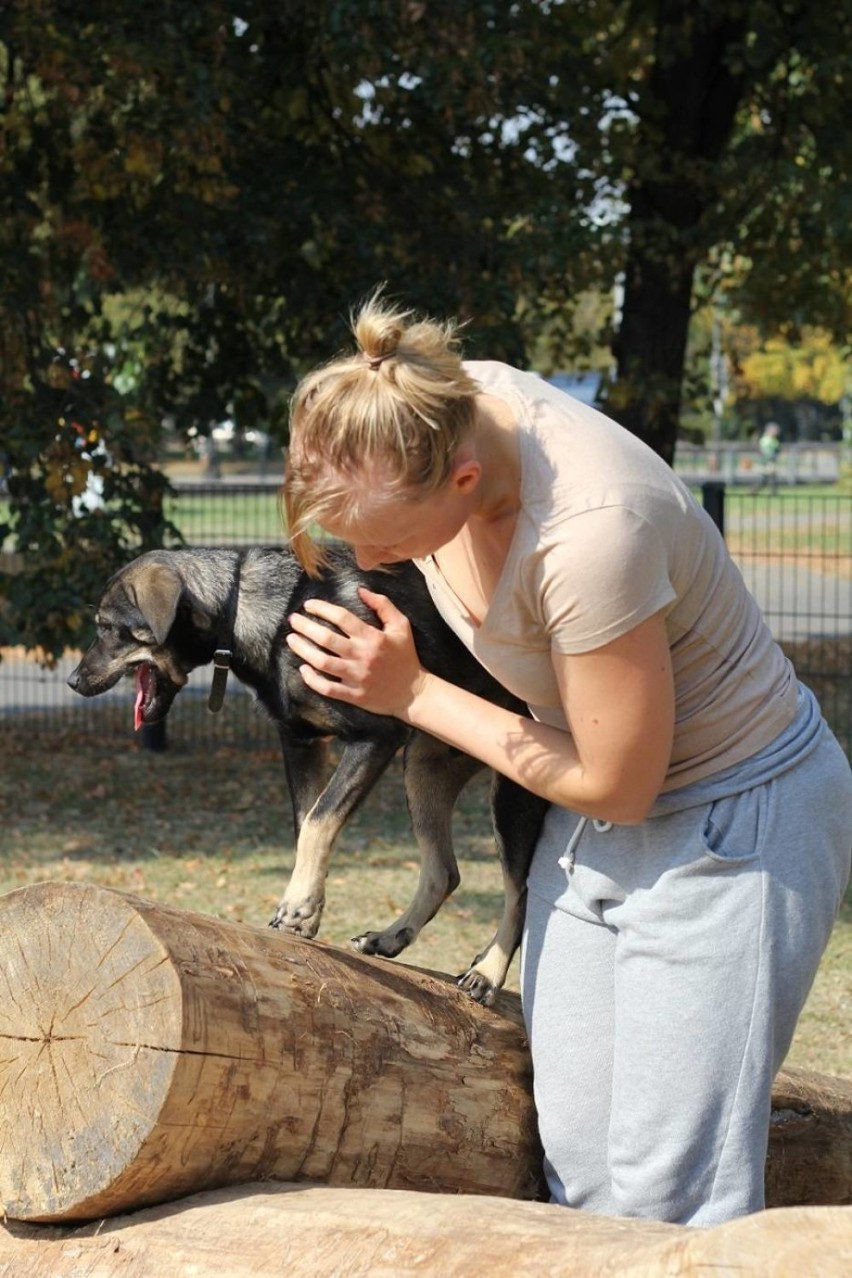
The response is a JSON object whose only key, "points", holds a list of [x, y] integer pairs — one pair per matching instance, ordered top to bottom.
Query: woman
{"points": [[698, 843]]}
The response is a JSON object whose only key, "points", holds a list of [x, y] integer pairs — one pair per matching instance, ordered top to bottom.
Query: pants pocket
{"points": [[734, 827]]}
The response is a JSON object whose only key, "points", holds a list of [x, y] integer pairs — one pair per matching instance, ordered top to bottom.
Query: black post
{"points": [[713, 497]]}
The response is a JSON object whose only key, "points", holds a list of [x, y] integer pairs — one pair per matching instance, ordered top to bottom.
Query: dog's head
{"points": [[134, 617]]}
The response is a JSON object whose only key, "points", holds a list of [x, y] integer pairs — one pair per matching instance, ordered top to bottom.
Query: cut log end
{"points": [[91, 1022]]}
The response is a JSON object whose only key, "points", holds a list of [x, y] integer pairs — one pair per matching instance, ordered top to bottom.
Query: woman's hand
{"points": [[375, 668]]}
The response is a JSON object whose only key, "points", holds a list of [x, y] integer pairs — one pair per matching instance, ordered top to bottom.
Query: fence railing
{"points": [[738, 464], [794, 550], [795, 553]]}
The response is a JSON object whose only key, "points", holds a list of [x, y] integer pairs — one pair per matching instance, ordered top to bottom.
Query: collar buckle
{"points": [[221, 666]]}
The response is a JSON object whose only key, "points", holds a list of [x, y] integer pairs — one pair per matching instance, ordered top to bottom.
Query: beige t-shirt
{"points": [[607, 535]]}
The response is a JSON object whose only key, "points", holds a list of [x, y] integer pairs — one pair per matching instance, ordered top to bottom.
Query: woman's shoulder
{"points": [[493, 376], [556, 418]]}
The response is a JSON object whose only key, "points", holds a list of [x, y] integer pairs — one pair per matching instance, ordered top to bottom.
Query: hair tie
{"points": [[374, 361]]}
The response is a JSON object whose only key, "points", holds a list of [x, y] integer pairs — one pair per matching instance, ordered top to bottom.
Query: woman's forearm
{"points": [[539, 757]]}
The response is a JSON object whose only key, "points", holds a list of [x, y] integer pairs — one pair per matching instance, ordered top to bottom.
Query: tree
{"points": [[687, 108], [718, 128], [192, 197], [191, 200], [800, 385]]}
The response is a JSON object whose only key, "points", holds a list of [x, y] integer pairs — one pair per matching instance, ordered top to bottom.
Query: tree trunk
{"points": [[687, 110], [651, 346], [150, 1053], [313, 1232]]}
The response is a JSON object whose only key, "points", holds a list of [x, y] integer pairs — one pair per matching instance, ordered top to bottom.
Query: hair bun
{"points": [[375, 361]]}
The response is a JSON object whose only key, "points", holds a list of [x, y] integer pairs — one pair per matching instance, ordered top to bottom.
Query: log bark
{"points": [[148, 1053], [810, 1140], [315, 1231]]}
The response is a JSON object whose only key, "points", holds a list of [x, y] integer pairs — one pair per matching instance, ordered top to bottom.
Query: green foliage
{"points": [[194, 196], [813, 369], [77, 509]]}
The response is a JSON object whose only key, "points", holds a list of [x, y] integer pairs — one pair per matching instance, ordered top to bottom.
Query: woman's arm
{"points": [[618, 701]]}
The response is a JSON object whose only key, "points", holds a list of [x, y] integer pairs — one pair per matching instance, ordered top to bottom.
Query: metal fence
{"points": [[738, 464], [794, 550], [795, 553]]}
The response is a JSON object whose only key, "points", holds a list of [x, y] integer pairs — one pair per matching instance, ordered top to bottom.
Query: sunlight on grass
{"points": [[211, 831]]}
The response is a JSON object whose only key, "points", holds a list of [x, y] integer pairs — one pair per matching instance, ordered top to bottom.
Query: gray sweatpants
{"points": [[663, 970]]}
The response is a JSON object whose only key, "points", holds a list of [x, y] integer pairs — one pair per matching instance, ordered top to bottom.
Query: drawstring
{"points": [[569, 859]]}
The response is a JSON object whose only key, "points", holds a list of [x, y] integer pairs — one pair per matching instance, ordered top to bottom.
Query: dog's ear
{"points": [[157, 591]]}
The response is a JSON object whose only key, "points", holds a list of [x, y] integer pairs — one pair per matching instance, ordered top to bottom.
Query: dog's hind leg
{"points": [[361, 764], [435, 775], [517, 817]]}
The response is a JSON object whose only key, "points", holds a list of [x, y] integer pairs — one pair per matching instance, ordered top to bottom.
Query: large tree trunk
{"points": [[687, 110], [651, 345], [150, 1053], [315, 1232]]}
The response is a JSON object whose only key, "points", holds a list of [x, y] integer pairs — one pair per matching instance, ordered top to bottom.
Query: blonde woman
{"points": [[697, 846]]}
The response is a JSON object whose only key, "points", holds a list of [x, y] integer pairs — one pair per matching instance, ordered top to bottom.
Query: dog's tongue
{"points": [[143, 683]]}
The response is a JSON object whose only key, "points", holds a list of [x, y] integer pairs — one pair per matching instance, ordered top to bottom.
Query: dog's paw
{"points": [[302, 917], [388, 944], [478, 986]]}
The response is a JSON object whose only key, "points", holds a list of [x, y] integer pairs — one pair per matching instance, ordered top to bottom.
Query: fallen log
{"points": [[149, 1053], [315, 1232]]}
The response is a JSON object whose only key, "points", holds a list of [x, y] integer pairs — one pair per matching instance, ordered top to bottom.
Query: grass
{"points": [[208, 827], [210, 830]]}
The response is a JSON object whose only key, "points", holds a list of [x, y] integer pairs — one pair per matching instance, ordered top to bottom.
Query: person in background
{"points": [[769, 446], [697, 846]]}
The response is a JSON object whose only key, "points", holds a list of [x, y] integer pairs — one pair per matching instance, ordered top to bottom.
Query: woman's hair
{"points": [[402, 400]]}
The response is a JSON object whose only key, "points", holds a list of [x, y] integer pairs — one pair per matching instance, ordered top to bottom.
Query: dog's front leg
{"points": [[361, 764], [306, 769]]}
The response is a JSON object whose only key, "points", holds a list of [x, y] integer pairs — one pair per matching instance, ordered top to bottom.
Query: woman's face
{"points": [[387, 528]]}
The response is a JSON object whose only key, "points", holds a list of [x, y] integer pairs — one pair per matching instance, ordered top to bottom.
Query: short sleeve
{"points": [[601, 573]]}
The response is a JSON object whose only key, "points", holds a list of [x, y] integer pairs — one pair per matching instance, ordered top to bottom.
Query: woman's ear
{"points": [[465, 475]]}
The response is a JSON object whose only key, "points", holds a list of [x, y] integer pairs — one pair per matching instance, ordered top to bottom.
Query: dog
{"points": [[172, 611]]}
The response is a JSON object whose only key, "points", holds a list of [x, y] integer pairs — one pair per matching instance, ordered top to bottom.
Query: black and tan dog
{"points": [[169, 612]]}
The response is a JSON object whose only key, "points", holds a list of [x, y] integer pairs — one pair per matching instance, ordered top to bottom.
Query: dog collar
{"points": [[224, 654]]}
